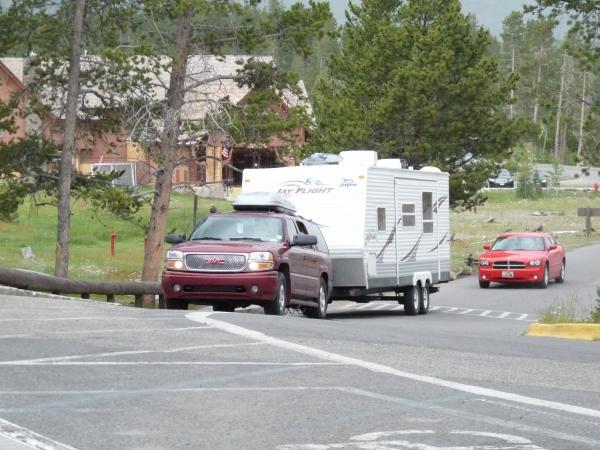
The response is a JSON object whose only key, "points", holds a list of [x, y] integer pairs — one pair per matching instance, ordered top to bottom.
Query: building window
{"points": [[427, 212], [408, 215], [381, 219]]}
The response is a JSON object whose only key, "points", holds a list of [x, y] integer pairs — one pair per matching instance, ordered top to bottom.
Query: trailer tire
{"points": [[412, 300], [424, 300], [319, 312]]}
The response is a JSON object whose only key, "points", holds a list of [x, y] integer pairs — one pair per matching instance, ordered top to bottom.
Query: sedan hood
{"points": [[513, 254]]}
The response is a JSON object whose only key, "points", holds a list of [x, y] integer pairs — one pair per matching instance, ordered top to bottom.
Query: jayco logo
{"points": [[347, 182]]}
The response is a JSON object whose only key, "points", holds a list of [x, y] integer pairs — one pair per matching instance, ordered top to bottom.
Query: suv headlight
{"points": [[174, 260], [261, 261], [484, 262], [535, 262]]}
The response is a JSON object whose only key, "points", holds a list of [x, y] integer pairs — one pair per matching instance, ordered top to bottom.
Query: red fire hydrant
{"points": [[596, 187], [113, 238]]}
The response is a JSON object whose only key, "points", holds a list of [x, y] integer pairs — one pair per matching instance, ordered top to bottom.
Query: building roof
{"points": [[213, 75]]}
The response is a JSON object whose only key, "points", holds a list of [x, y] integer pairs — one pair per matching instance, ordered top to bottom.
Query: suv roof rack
{"points": [[263, 201]]}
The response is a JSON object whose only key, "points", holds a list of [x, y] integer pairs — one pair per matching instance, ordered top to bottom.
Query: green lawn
{"points": [[473, 228], [90, 256]]}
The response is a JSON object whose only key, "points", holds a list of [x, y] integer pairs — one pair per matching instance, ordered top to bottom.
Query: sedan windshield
{"points": [[239, 228], [519, 243]]}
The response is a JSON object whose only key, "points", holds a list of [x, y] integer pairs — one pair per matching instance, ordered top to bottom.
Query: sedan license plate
{"points": [[506, 274]]}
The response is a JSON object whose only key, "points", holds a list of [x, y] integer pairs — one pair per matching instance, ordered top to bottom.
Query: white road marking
{"points": [[384, 305], [489, 314], [203, 317], [111, 330], [127, 352], [167, 363], [29, 438], [390, 439]]}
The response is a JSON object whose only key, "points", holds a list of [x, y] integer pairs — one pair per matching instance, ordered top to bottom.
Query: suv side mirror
{"points": [[175, 238], [304, 239], [487, 246], [553, 247]]}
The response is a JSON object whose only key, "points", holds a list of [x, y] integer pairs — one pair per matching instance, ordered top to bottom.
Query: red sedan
{"points": [[522, 258]]}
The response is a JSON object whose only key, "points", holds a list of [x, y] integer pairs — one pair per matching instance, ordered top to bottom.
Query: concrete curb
{"points": [[7, 290], [582, 331]]}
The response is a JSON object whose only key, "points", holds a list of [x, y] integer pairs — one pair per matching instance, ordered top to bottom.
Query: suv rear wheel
{"points": [[279, 303], [320, 312]]}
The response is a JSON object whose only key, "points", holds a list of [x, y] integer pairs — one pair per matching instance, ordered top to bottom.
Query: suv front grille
{"points": [[208, 262], [509, 265]]}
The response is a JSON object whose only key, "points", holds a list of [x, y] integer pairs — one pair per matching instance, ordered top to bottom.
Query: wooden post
{"points": [[588, 213], [195, 214]]}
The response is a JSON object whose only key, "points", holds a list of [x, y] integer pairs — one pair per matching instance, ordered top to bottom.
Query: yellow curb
{"points": [[584, 331]]}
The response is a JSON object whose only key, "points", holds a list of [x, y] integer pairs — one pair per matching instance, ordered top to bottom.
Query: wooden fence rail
{"points": [[36, 281]]}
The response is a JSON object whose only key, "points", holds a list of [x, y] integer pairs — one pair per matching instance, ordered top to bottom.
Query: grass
{"points": [[505, 212], [90, 256], [567, 312]]}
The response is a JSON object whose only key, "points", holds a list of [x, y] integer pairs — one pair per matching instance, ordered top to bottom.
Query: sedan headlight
{"points": [[174, 260], [261, 261], [484, 262], [535, 262]]}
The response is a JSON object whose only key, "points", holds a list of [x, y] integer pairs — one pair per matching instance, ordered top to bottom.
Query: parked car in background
{"points": [[538, 178], [503, 179], [260, 254], [522, 258]]}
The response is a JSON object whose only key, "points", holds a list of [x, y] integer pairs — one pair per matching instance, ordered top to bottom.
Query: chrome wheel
{"points": [[424, 305]]}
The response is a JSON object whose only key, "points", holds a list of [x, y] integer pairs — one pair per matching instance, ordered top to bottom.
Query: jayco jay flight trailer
{"points": [[387, 227]]}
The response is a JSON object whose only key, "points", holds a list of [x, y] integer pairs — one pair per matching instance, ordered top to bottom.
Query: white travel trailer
{"points": [[387, 228]]}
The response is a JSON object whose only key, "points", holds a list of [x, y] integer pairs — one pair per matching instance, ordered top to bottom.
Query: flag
{"points": [[225, 152]]}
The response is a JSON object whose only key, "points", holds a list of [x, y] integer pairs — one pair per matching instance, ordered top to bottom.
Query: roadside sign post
{"points": [[588, 213]]}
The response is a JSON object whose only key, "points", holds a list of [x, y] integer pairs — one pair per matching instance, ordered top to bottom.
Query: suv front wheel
{"points": [[279, 303]]}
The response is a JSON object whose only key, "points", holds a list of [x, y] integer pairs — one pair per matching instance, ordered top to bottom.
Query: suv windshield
{"points": [[239, 228], [519, 243]]}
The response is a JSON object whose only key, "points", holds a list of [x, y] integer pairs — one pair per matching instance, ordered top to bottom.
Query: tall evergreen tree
{"points": [[414, 80]]}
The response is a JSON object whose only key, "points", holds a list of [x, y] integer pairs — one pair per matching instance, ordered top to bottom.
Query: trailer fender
{"points": [[422, 278]]}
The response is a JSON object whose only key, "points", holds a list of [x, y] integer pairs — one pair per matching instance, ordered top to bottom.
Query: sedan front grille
{"points": [[209, 262], [509, 265]]}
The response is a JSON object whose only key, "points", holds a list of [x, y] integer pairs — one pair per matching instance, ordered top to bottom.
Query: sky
{"points": [[489, 13]]}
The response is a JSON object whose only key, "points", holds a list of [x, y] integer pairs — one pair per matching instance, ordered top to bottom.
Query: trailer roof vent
{"points": [[430, 169], [263, 201]]}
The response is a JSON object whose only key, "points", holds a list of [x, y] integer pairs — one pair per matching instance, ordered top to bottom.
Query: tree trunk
{"points": [[512, 70], [538, 83], [559, 109], [582, 117], [167, 153], [61, 264]]}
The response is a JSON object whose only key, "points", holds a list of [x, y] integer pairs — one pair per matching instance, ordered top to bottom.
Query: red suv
{"points": [[261, 254]]}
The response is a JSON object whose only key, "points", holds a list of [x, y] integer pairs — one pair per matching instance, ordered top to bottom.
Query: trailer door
{"points": [[416, 237]]}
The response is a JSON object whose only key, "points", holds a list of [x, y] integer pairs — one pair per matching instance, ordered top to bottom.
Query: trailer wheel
{"points": [[412, 301], [424, 303], [320, 311]]}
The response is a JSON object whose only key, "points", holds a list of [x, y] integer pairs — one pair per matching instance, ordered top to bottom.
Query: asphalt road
{"points": [[85, 375]]}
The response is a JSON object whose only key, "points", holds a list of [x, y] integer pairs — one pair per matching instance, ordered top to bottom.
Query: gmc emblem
{"points": [[214, 261]]}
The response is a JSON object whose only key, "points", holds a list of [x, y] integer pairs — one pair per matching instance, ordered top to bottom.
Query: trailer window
{"points": [[427, 212], [408, 215], [381, 219]]}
